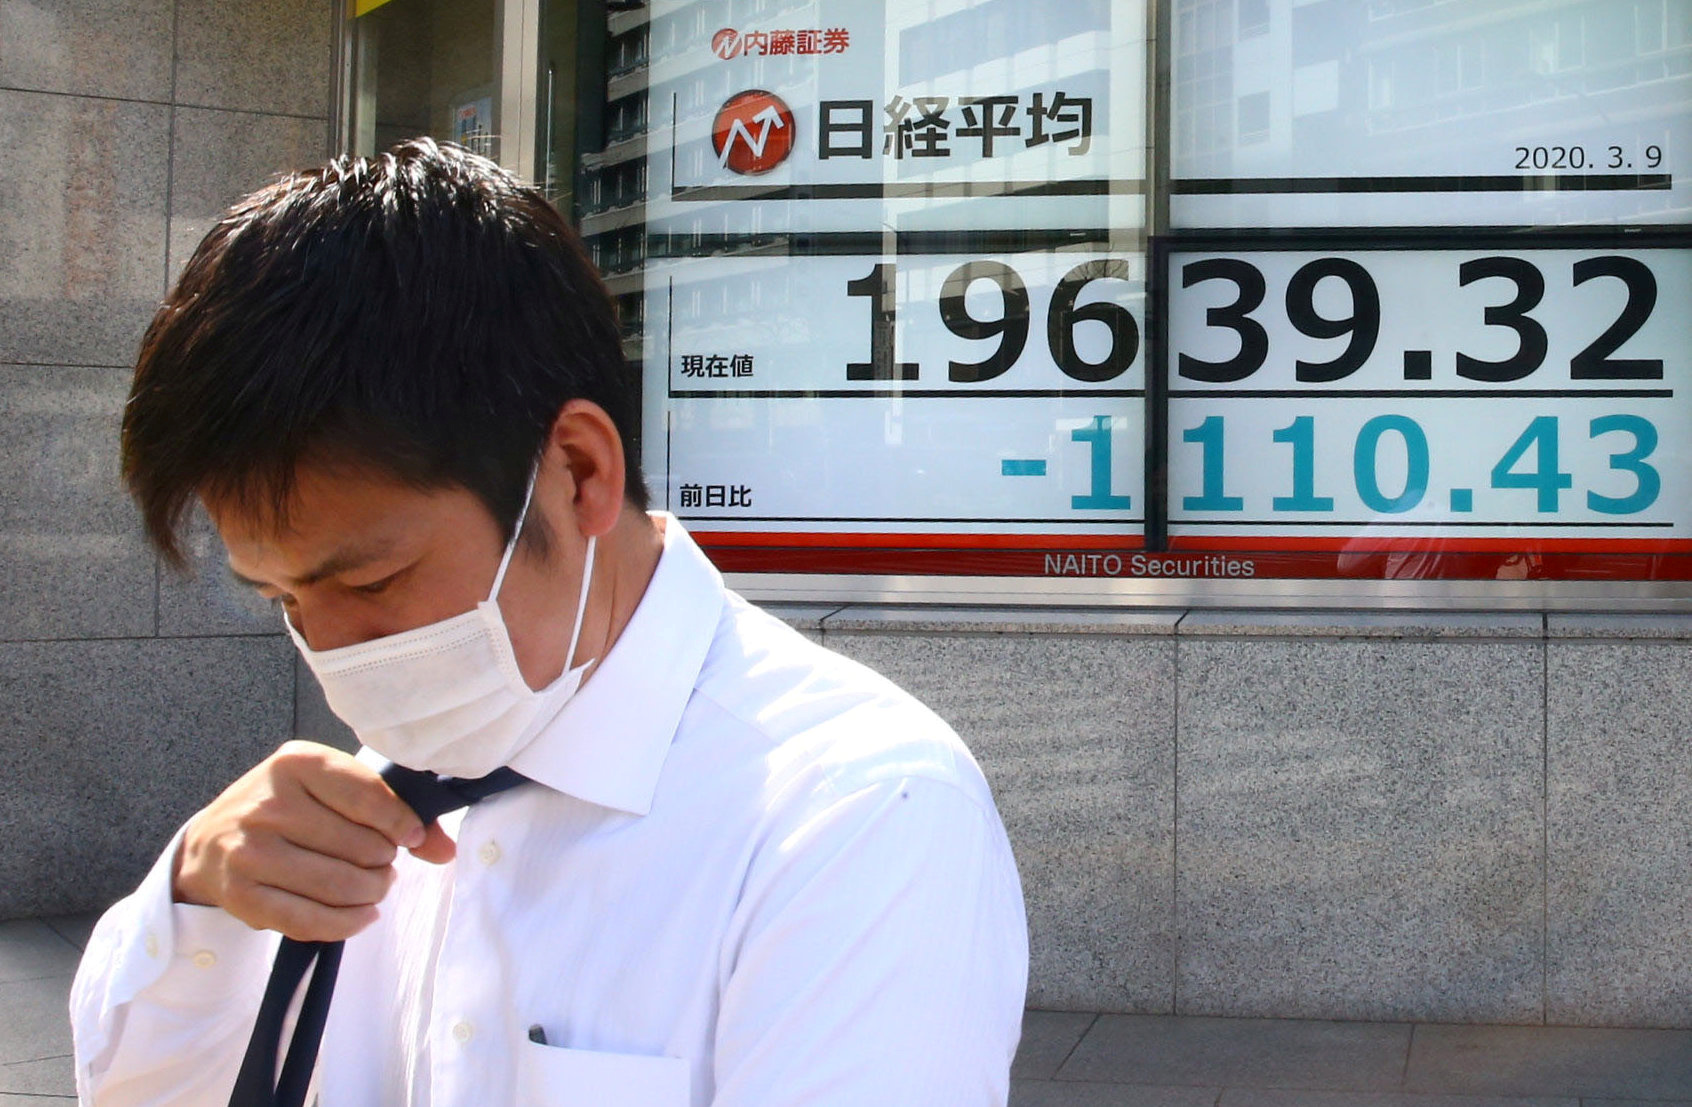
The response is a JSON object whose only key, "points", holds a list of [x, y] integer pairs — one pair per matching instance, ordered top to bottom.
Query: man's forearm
{"points": [[164, 999]]}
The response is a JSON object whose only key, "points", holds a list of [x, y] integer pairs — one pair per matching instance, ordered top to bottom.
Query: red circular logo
{"points": [[727, 43], [753, 133]]}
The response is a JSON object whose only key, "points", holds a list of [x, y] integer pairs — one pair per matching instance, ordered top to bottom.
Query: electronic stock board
{"points": [[1414, 300]]}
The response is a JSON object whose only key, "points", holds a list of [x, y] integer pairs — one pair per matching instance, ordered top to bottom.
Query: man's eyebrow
{"points": [[340, 561], [246, 580]]}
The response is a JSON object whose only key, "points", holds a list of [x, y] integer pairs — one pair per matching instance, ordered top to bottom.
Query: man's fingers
{"points": [[353, 790], [309, 822], [334, 836], [437, 848], [266, 861], [305, 919]]}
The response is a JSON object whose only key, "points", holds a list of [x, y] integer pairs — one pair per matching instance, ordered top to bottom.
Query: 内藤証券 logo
{"points": [[753, 132]]}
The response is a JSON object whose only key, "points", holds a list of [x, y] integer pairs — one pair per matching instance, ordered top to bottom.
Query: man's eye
{"points": [[374, 587]]}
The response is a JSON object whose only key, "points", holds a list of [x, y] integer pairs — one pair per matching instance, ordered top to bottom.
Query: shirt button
{"points": [[489, 853], [152, 944], [205, 959], [462, 1031]]}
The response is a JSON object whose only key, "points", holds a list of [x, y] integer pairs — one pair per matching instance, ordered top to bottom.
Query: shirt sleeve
{"points": [[879, 955], [165, 999]]}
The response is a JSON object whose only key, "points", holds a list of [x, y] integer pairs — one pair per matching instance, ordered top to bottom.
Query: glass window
{"points": [[1254, 17], [1679, 23], [1648, 25], [426, 67], [1254, 118], [867, 237], [886, 271]]}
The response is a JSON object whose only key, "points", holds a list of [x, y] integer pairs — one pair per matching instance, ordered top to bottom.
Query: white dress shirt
{"points": [[751, 873]]}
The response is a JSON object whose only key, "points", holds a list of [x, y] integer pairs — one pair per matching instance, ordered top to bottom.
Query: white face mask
{"points": [[447, 697]]}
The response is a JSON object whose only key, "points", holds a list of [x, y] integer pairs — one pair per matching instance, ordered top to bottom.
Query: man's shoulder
{"points": [[816, 721]]}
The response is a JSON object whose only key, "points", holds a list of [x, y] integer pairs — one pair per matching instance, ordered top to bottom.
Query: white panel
{"points": [[1520, 113], [824, 180], [1586, 440]]}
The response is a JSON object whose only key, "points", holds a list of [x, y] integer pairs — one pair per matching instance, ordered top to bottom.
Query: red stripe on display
{"points": [[922, 541], [1440, 544], [1405, 562]]}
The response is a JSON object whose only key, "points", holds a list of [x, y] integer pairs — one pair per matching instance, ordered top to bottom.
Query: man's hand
{"points": [[304, 844]]}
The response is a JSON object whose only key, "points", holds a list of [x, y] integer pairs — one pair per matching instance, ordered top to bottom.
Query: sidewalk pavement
{"points": [[37, 960], [1084, 1060]]}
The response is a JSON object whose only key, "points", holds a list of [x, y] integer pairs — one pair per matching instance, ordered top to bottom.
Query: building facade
{"points": [[1251, 423]]}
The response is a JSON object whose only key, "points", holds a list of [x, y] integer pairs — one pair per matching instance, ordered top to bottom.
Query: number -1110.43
{"points": [[1531, 463]]}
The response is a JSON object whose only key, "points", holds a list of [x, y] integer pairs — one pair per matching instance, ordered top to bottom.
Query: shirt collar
{"points": [[609, 743]]}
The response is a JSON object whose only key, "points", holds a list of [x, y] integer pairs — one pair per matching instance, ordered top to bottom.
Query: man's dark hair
{"points": [[419, 315]]}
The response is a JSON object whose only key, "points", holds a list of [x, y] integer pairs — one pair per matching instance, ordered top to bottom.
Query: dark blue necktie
{"points": [[258, 1084]]}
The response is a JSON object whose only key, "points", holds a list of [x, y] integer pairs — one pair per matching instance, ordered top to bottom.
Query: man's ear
{"points": [[584, 445]]}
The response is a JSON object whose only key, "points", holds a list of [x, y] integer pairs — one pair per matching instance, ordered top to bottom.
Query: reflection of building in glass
{"points": [[695, 56], [1434, 61], [1046, 67], [1427, 86], [1202, 120], [613, 188], [611, 192], [615, 223]]}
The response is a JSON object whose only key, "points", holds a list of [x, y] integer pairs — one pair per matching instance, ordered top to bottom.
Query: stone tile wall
{"points": [[126, 695], [1075, 730], [1398, 817]]}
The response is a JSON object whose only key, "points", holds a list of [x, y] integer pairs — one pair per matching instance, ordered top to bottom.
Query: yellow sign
{"points": [[365, 7]]}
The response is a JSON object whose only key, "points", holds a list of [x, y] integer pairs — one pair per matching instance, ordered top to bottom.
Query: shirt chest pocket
{"points": [[549, 1076]]}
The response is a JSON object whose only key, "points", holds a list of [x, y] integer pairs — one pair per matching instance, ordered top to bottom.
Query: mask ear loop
{"points": [[516, 531], [587, 568], [581, 604]]}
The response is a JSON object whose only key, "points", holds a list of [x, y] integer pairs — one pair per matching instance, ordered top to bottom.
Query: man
{"points": [[743, 872]]}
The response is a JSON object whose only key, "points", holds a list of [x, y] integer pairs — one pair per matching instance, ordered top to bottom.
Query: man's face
{"points": [[362, 556]]}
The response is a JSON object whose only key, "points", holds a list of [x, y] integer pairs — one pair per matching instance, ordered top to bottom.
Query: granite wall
{"points": [[126, 694], [1439, 817]]}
